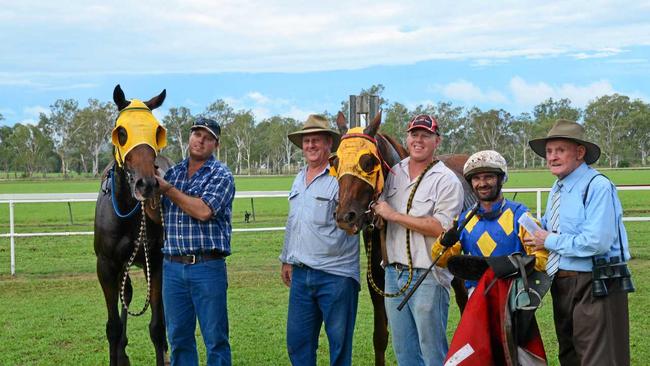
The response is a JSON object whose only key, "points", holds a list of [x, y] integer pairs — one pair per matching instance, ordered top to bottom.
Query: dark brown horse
{"points": [[128, 189], [353, 214]]}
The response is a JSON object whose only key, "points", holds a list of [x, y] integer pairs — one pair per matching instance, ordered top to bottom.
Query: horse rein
{"points": [[409, 205], [140, 241]]}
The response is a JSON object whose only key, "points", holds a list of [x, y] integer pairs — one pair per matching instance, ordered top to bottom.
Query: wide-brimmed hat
{"points": [[315, 124], [565, 129]]}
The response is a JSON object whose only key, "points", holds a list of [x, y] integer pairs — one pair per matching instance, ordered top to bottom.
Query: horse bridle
{"points": [[375, 179]]}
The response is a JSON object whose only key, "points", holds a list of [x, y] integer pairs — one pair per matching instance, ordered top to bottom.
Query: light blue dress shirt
{"points": [[589, 229], [311, 236]]}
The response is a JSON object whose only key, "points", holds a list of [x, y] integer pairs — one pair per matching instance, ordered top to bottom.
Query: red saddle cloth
{"points": [[485, 333]]}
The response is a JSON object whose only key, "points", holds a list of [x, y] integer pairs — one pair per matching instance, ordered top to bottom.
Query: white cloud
{"points": [[294, 36], [607, 52], [466, 91], [527, 94], [264, 106], [35, 111]]}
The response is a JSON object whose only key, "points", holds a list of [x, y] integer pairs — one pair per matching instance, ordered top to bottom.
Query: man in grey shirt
{"points": [[419, 201], [320, 262]]}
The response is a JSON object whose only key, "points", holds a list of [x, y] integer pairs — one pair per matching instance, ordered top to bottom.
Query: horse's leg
{"points": [[107, 274], [460, 292], [157, 324], [380, 331], [124, 340]]}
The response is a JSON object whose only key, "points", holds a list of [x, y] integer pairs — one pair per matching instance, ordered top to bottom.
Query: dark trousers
{"points": [[590, 330]]}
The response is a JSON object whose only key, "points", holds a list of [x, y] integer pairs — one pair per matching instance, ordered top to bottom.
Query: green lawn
{"points": [[53, 311]]}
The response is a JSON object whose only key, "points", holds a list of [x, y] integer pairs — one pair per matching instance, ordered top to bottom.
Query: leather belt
{"points": [[195, 258], [301, 265], [399, 266], [564, 273]]}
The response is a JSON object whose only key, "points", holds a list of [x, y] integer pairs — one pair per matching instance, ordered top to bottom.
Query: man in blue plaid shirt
{"points": [[197, 203]]}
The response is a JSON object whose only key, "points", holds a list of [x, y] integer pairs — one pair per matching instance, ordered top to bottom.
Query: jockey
{"points": [[494, 230]]}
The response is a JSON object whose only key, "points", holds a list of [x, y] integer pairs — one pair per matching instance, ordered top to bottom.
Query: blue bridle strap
{"points": [[114, 200]]}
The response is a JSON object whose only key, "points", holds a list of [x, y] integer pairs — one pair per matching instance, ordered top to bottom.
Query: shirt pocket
{"points": [[323, 210], [571, 225]]}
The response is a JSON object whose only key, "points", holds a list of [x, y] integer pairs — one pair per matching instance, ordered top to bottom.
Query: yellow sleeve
{"points": [[437, 248], [541, 256]]}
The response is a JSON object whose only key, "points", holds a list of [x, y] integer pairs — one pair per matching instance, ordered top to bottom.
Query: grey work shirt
{"points": [[439, 195], [311, 236]]}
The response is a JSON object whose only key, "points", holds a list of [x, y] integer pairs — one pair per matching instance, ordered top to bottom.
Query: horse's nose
{"points": [[146, 186], [349, 216]]}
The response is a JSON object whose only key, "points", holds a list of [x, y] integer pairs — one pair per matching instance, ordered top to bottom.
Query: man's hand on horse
{"points": [[163, 185], [383, 209], [451, 236]]}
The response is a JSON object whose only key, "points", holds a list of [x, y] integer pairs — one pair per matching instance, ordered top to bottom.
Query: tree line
{"points": [[71, 138]]}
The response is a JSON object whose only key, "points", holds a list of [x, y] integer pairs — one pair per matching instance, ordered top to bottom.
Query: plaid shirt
{"points": [[185, 235]]}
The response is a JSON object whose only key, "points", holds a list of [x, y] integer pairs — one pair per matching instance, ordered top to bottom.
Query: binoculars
{"points": [[614, 269]]}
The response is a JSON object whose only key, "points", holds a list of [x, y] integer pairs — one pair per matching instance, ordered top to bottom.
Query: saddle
{"points": [[528, 286]]}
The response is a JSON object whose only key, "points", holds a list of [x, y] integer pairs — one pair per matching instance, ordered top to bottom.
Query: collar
{"points": [[573, 178], [495, 212]]}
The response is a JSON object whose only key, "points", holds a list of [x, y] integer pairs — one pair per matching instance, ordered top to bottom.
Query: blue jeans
{"points": [[191, 291], [317, 296], [420, 329]]}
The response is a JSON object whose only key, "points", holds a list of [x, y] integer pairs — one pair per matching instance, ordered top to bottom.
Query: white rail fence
{"points": [[13, 199]]}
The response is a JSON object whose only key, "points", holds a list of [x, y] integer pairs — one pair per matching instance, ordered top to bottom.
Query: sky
{"points": [[293, 58]]}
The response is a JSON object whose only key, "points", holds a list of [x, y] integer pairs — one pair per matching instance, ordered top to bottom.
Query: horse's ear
{"points": [[119, 98], [156, 101], [342, 123], [373, 127]]}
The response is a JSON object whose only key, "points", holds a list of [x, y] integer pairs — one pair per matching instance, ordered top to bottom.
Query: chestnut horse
{"points": [[128, 189], [353, 214]]}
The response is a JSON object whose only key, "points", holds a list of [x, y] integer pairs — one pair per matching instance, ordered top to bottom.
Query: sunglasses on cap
{"points": [[424, 122]]}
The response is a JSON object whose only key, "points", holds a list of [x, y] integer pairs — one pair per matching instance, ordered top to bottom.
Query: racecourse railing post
{"points": [[12, 245]]}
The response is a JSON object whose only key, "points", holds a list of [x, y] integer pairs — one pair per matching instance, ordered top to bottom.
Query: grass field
{"points": [[52, 312]]}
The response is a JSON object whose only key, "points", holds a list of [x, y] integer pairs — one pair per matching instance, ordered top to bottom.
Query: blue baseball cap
{"points": [[208, 124]]}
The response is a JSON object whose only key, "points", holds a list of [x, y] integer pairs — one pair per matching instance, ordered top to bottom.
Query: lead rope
{"points": [[409, 203], [142, 239]]}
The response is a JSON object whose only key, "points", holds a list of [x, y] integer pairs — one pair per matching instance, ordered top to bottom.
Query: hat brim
{"points": [[207, 129], [296, 137], [591, 156]]}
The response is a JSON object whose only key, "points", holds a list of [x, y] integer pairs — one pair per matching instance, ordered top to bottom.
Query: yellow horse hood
{"points": [[141, 127]]}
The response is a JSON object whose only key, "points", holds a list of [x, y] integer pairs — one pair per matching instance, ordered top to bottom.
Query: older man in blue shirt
{"points": [[197, 205], [583, 232], [320, 262]]}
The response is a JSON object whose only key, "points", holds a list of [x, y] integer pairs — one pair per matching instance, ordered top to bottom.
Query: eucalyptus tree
{"points": [[605, 120], [177, 122], [93, 124], [60, 127], [489, 128], [522, 130], [240, 132], [31, 149], [6, 156]]}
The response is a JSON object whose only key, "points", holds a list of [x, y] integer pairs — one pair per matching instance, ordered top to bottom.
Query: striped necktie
{"points": [[553, 263]]}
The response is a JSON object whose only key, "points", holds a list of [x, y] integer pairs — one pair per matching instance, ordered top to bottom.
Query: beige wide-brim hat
{"points": [[315, 124], [565, 129]]}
